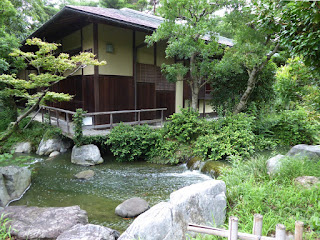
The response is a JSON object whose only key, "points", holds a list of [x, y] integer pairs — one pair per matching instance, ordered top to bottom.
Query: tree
{"points": [[188, 30], [255, 42], [50, 69]]}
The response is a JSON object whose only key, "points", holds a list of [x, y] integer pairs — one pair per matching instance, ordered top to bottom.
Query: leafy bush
{"points": [[6, 116], [78, 123], [184, 126], [288, 127], [230, 136], [129, 143], [164, 152]]}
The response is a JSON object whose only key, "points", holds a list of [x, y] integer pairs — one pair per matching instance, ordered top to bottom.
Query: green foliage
{"points": [[188, 41], [297, 84], [7, 115], [78, 123], [183, 127], [288, 127], [230, 136], [99, 141], [129, 143], [9, 159], [251, 190], [4, 230]]}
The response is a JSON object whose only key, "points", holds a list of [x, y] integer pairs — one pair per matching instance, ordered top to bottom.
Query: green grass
{"points": [[33, 133], [251, 190], [4, 231]]}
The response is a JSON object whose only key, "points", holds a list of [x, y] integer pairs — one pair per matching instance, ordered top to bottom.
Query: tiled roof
{"points": [[125, 15], [134, 17]]}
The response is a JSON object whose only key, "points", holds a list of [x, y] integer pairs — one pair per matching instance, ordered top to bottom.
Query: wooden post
{"points": [[42, 115], [49, 116], [57, 117], [67, 117], [139, 117], [161, 118], [111, 121], [257, 225], [233, 228], [280, 232], [298, 232]]}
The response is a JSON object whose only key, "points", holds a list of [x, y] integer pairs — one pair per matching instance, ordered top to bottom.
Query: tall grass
{"points": [[251, 190]]}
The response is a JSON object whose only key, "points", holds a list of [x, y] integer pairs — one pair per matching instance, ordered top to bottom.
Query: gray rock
{"points": [[50, 145], [23, 147], [303, 150], [54, 154], [86, 155], [274, 164], [85, 175], [307, 181], [13, 183], [200, 203], [132, 207], [43, 223], [89, 232]]}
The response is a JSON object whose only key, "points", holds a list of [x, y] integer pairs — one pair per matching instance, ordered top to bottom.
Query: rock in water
{"points": [[50, 145], [23, 147], [303, 150], [54, 154], [86, 155], [274, 164], [85, 175], [13, 183], [200, 203], [132, 207], [43, 223], [89, 232]]}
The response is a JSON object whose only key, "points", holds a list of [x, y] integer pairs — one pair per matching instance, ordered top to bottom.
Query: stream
{"points": [[54, 185]]}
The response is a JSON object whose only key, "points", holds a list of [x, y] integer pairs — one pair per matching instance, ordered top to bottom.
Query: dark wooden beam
{"points": [[155, 54], [96, 69]]}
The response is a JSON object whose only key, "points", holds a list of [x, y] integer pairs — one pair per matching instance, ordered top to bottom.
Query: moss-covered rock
{"points": [[194, 163], [213, 168]]}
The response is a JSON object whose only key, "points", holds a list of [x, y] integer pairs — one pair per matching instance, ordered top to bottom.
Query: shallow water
{"points": [[54, 185]]}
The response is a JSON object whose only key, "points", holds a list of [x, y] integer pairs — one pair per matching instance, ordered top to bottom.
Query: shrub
{"points": [[6, 116], [78, 123], [183, 127], [288, 127], [230, 136], [129, 143]]}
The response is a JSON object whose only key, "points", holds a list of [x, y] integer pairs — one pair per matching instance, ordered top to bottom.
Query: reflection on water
{"points": [[54, 185]]}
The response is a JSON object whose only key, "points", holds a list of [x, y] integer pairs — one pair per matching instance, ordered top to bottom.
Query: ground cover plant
{"points": [[278, 198]]}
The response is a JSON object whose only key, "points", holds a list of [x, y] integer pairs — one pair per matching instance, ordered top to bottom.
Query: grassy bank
{"points": [[278, 198]]}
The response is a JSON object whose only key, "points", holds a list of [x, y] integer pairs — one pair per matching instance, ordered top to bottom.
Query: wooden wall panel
{"points": [[73, 86], [116, 93], [146, 99], [165, 99]]}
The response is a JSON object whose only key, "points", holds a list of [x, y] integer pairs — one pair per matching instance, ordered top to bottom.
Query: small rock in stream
{"points": [[85, 175], [132, 207]]}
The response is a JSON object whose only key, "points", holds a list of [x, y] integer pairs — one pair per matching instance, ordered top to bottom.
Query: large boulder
{"points": [[23, 147], [46, 147], [303, 150], [86, 155], [274, 164], [13, 183], [200, 203], [132, 207], [43, 223], [89, 232]]}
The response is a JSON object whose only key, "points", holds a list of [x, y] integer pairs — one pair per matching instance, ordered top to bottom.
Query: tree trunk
{"points": [[253, 75], [250, 86], [194, 97], [14, 125]]}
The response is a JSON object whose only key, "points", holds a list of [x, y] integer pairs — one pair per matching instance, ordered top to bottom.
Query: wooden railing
{"points": [[63, 118], [233, 234]]}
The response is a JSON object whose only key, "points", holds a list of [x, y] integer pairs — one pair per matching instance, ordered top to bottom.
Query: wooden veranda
{"points": [[99, 123]]}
